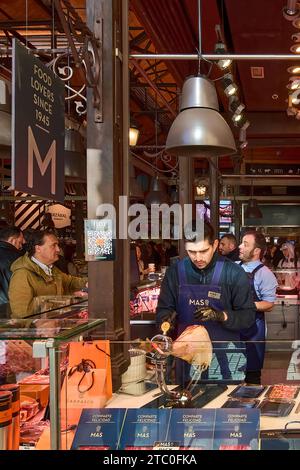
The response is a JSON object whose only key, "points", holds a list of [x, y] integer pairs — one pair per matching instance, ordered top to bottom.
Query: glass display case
{"points": [[283, 320], [34, 355], [155, 409]]}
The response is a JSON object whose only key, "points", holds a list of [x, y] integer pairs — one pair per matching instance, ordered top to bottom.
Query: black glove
{"points": [[208, 313]]}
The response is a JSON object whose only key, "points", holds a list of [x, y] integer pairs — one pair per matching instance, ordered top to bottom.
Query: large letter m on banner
{"points": [[42, 164]]}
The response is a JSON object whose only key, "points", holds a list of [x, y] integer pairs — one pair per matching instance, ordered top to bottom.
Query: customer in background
{"points": [[11, 244], [228, 247], [169, 251], [278, 255], [153, 256], [289, 260], [141, 264], [34, 274], [289, 283], [263, 285]]}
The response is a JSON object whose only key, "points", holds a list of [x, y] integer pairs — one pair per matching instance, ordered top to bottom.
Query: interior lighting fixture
{"points": [[296, 23], [220, 48], [295, 48], [294, 69], [294, 83], [230, 88], [294, 97], [235, 106], [243, 123], [199, 129], [133, 135], [243, 139], [135, 190], [200, 190], [157, 193], [252, 210]]}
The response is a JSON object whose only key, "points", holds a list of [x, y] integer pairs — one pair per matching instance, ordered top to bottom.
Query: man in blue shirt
{"points": [[263, 284]]}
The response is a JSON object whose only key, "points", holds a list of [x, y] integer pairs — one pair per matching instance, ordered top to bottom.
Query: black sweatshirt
{"points": [[236, 295]]}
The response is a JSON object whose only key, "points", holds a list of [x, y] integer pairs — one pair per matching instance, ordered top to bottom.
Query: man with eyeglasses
{"points": [[206, 288]]}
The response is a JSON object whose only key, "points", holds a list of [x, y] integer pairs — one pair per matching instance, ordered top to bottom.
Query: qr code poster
{"points": [[99, 241]]}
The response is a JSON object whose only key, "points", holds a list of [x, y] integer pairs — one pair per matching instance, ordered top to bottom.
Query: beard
{"points": [[249, 256]]}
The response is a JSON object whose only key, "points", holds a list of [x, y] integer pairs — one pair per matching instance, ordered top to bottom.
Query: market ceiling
{"points": [[171, 26], [256, 27]]}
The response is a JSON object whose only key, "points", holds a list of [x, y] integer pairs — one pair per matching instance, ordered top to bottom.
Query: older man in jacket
{"points": [[34, 275]]}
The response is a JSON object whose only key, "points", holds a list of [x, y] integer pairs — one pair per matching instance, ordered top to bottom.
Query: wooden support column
{"points": [[107, 172]]}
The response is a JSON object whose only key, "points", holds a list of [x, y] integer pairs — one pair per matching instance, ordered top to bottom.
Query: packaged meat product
{"points": [[283, 391]]}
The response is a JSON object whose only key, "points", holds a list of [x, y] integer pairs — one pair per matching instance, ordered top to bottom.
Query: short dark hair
{"points": [[8, 232], [192, 235], [230, 237], [37, 238], [259, 241]]}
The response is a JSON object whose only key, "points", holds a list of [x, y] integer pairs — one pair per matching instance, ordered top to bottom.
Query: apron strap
{"points": [[217, 272], [181, 273]]}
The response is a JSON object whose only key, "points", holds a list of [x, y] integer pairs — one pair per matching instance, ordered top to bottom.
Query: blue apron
{"points": [[192, 296], [255, 352]]}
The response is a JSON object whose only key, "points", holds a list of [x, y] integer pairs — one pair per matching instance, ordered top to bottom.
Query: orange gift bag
{"points": [[88, 380]]}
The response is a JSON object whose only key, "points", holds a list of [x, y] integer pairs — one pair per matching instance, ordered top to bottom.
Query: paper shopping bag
{"points": [[83, 387]]}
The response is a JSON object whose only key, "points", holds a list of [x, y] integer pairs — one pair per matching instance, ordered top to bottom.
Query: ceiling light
{"points": [[296, 23], [220, 48], [295, 48], [294, 69], [294, 83], [228, 85], [294, 97], [235, 106], [236, 117], [243, 123], [199, 129], [133, 135], [243, 138], [135, 189], [201, 190], [157, 193], [252, 210]]}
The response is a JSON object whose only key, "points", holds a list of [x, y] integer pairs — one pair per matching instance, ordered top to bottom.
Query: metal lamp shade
{"points": [[199, 129], [75, 157], [135, 190], [157, 194], [252, 210]]}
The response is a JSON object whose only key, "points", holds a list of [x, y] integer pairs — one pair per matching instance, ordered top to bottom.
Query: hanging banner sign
{"points": [[37, 127], [61, 215]]}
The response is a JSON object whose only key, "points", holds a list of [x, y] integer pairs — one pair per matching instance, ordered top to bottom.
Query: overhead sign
{"points": [[37, 127], [61, 215], [274, 215]]}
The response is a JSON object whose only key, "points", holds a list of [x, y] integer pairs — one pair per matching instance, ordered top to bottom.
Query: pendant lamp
{"points": [[199, 129], [135, 190], [157, 194], [252, 210]]}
